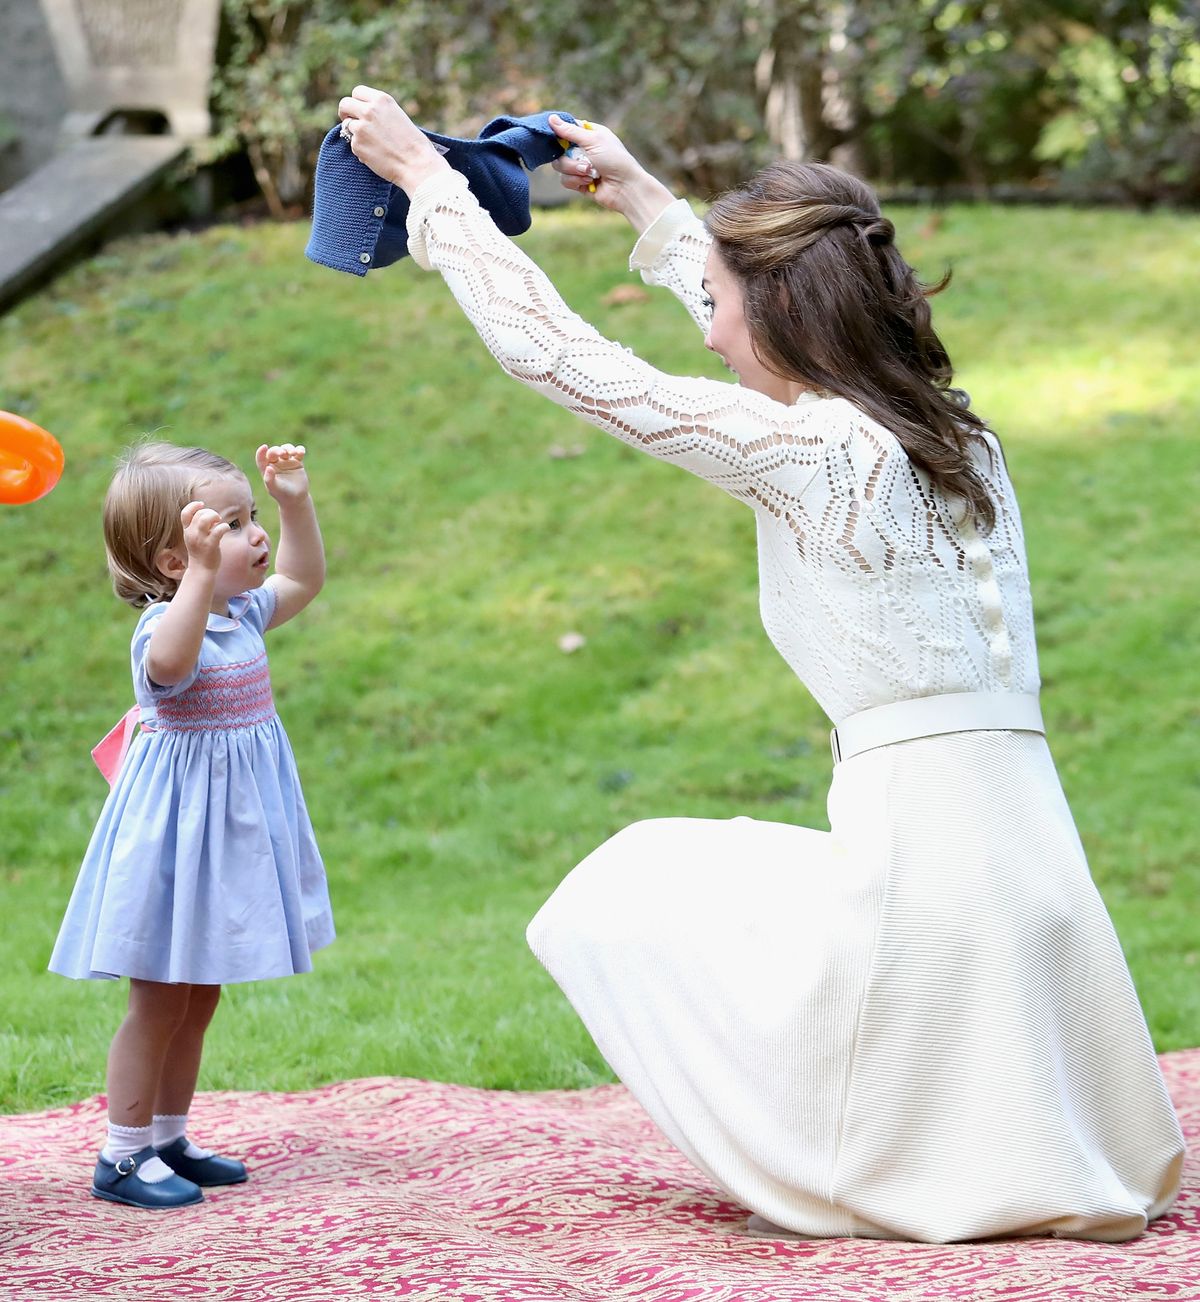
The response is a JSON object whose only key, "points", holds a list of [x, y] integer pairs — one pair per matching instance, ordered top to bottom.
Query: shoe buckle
{"points": [[123, 1169]]}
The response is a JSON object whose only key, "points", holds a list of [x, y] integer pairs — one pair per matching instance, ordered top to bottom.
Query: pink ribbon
{"points": [[110, 753]]}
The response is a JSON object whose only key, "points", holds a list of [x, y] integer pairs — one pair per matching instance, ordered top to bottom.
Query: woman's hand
{"points": [[384, 137], [609, 173], [282, 470]]}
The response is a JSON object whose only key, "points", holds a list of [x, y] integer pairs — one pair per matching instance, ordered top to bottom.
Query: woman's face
{"points": [[729, 336]]}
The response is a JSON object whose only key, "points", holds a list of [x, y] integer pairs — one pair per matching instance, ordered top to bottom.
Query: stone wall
{"points": [[33, 94]]}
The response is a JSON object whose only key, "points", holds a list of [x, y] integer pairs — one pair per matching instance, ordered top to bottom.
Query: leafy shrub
{"points": [[285, 63], [1102, 93], [1132, 115]]}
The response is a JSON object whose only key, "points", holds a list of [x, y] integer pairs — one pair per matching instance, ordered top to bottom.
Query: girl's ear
{"points": [[171, 561]]}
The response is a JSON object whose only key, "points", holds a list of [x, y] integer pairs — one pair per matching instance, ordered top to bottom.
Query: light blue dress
{"points": [[203, 867]]}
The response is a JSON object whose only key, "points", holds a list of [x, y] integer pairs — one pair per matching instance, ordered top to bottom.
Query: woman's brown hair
{"points": [[831, 303], [151, 485]]}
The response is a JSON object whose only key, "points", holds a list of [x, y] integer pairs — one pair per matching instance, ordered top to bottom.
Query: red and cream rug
{"points": [[409, 1189]]}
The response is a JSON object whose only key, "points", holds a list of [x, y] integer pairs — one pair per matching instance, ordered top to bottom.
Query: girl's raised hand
{"points": [[282, 469], [203, 530]]}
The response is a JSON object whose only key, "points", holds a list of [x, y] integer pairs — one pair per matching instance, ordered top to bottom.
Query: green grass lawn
{"points": [[456, 761]]}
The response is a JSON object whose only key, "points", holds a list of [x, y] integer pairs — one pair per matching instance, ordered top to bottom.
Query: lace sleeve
{"points": [[672, 252], [758, 450]]}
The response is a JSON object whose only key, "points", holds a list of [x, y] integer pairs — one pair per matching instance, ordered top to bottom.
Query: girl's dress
{"points": [[203, 867], [919, 1024]]}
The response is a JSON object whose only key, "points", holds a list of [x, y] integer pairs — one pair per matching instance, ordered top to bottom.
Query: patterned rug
{"points": [[410, 1189]]}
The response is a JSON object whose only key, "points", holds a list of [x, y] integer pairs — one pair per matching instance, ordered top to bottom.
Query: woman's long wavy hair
{"points": [[832, 304]]}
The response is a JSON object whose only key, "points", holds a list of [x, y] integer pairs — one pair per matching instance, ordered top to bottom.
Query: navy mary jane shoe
{"points": [[201, 1170], [119, 1182]]}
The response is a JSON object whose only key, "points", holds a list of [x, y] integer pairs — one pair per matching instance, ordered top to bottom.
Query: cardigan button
{"points": [[380, 211], [364, 258]]}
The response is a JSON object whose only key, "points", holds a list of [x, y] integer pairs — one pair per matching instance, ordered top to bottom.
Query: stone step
{"points": [[72, 197]]}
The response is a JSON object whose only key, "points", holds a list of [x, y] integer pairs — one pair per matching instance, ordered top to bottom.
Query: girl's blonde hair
{"points": [[151, 485]]}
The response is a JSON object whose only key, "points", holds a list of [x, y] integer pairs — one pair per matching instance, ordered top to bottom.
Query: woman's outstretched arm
{"points": [[756, 449]]}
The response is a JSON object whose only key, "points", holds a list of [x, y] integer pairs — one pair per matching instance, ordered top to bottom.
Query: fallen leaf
{"points": [[622, 294]]}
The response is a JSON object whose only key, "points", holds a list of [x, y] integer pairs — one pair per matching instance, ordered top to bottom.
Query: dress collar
{"points": [[227, 623]]}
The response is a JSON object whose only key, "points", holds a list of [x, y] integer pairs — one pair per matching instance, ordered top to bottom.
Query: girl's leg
{"points": [[139, 1049], [181, 1064], [176, 1087], [125, 1172]]}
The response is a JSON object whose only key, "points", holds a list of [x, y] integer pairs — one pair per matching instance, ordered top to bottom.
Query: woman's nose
{"points": [[708, 342]]}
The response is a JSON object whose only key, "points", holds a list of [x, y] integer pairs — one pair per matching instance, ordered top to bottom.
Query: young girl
{"points": [[202, 868]]}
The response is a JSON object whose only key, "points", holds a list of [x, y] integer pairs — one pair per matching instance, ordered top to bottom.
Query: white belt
{"points": [[931, 716]]}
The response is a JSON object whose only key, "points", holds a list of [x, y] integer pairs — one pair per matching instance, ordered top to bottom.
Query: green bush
{"points": [[285, 63], [1082, 94], [1132, 107]]}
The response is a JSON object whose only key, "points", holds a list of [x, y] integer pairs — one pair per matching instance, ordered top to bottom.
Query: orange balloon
{"points": [[31, 461]]}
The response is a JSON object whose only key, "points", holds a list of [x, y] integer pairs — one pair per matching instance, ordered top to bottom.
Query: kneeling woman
{"points": [[919, 1024]]}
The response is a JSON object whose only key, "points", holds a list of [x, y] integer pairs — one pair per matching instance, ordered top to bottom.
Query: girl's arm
{"points": [[300, 557], [174, 645]]}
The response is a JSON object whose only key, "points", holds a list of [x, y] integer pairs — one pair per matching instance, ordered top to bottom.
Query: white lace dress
{"points": [[919, 1024]]}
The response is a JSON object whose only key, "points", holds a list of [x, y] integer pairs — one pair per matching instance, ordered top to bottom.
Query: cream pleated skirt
{"points": [[918, 1025]]}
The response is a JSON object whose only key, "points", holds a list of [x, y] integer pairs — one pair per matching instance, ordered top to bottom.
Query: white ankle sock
{"points": [[169, 1127], [124, 1141]]}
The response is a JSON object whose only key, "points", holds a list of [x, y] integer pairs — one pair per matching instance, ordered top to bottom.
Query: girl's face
{"points": [[729, 336], [245, 549]]}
